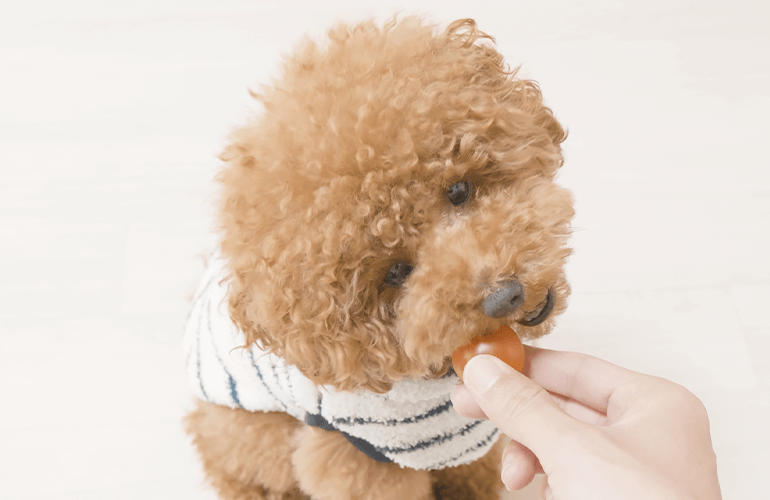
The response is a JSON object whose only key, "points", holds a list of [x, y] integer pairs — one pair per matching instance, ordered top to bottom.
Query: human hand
{"points": [[599, 431]]}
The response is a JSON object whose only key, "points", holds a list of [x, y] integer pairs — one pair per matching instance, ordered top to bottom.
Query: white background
{"points": [[111, 118]]}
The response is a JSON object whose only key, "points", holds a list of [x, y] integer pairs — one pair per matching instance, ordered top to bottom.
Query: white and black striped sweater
{"points": [[413, 424]]}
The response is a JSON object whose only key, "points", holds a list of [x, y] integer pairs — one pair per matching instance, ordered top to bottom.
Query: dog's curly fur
{"points": [[346, 173]]}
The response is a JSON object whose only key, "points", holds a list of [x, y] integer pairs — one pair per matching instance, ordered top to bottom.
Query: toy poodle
{"points": [[394, 199]]}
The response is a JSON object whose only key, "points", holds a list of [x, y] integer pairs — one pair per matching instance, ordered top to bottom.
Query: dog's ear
{"points": [[485, 68], [543, 115], [249, 208], [294, 275], [314, 325]]}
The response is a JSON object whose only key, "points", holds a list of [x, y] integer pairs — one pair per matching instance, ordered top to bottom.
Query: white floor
{"points": [[111, 117]]}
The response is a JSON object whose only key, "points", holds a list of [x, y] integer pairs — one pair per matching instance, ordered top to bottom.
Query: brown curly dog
{"points": [[394, 199]]}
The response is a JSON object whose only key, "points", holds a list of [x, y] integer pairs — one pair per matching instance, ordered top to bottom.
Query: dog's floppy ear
{"points": [[486, 69], [543, 114], [253, 191], [294, 275], [306, 315]]}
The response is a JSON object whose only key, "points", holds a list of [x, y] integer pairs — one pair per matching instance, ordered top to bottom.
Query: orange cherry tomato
{"points": [[503, 344]]}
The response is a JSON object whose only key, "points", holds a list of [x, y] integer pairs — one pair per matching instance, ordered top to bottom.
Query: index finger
{"points": [[586, 379]]}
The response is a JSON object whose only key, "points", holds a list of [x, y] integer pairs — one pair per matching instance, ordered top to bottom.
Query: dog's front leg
{"points": [[246, 455], [328, 467], [479, 480]]}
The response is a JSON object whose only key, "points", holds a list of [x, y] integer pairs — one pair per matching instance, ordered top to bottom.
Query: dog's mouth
{"points": [[541, 312], [537, 316]]}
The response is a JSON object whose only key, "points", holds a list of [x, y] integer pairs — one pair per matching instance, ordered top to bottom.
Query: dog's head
{"points": [[395, 198]]}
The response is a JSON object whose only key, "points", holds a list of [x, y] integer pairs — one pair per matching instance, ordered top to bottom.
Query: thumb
{"points": [[523, 410]]}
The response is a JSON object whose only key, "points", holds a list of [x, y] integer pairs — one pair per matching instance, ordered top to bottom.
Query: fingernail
{"points": [[481, 373], [452, 396], [508, 472], [505, 475], [545, 492]]}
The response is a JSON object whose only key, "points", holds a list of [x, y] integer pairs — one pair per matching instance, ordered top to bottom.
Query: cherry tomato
{"points": [[503, 344]]}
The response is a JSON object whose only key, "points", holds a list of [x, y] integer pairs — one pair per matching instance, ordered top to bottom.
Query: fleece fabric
{"points": [[413, 425]]}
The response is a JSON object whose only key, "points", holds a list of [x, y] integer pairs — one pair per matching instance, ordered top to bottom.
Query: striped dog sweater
{"points": [[414, 424]]}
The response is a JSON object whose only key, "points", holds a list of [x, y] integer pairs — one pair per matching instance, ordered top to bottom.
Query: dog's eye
{"points": [[459, 192], [397, 274]]}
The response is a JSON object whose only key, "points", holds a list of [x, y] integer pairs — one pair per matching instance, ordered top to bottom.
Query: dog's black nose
{"points": [[504, 300]]}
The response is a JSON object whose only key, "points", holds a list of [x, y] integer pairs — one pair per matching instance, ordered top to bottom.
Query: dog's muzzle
{"points": [[508, 298], [505, 300], [541, 312]]}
